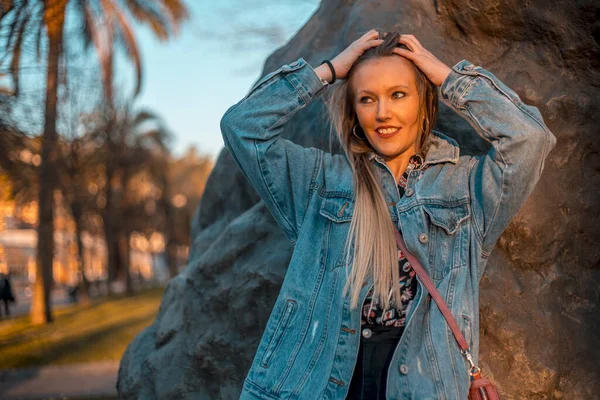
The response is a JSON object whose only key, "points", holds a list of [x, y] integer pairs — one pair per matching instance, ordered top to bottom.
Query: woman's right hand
{"points": [[344, 61]]}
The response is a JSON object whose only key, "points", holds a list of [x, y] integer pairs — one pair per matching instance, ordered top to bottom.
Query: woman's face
{"points": [[386, 102]]}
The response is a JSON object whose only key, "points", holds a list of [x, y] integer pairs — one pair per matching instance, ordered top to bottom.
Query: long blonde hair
{"points": [[371, 228]]}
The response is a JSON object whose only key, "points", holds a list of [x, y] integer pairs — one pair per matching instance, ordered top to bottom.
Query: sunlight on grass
{"points": [[79, 334]]}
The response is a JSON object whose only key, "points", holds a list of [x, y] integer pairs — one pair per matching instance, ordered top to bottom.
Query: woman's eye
{"points": [[396, 95]]}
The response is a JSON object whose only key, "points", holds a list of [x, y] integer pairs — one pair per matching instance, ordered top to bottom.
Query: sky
{"points": [[193, 79]]}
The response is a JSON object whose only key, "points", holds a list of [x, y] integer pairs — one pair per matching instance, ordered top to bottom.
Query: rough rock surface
{"points": [[540, 295]]}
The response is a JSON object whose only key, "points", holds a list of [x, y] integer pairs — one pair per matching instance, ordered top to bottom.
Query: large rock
{"points": [[540, 294]]}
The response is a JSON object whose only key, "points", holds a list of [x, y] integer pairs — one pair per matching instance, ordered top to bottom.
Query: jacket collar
{"points": [[440, 148]]}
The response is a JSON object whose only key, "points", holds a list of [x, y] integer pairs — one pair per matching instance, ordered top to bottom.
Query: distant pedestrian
{"points": [[6, 293], [73, 293]]}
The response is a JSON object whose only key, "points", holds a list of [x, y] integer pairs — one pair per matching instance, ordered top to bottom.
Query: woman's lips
{"points": [[387, 135]]}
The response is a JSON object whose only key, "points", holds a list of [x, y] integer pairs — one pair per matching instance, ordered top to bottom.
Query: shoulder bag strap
{"points": [[460, 339]]}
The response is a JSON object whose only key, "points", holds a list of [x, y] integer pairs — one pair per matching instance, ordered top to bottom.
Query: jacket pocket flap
{"points": [[337, 209], [447, 218]]}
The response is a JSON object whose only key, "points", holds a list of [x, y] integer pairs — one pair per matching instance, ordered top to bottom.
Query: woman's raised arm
{"points": [[281, 171], [502, 180]]}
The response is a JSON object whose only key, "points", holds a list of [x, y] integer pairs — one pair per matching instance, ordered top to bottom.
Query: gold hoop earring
{"points": [[355, 135]]}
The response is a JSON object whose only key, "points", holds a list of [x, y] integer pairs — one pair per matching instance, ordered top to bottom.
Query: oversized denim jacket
{"points": [[452, 214]]}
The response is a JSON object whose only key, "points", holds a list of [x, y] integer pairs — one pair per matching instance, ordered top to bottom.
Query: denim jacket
{"points": [[454, 210]]}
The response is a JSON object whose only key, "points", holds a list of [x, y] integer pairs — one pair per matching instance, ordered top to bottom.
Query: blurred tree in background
{"points": [[105, 27], [153, 192]]}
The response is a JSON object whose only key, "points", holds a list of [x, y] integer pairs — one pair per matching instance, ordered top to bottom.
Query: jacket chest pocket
{"points": [[338, 211], [448, 237]]}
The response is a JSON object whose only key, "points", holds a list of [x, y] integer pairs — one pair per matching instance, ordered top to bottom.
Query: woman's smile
{"points": [[386, 132]]}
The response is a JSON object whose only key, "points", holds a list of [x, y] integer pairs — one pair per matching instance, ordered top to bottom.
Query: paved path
{"points": [[78, 380]]}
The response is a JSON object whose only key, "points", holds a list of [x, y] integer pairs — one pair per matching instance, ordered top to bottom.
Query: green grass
{"points": [[79, 334]]}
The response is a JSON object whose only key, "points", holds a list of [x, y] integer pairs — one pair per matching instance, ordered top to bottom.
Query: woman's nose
{"points": [[383, 111]]}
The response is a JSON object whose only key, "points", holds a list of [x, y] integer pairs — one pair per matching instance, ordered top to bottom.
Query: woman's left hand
{"points": [[435, 70]]}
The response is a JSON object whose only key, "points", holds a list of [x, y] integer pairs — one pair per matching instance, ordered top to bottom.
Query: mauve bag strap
{"points": [[414, 263], [480, 388]]}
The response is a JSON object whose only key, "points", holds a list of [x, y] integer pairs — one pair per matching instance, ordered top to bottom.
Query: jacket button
{"points": [[409, 192], [423, 238], [367, 333], [404, 369]]}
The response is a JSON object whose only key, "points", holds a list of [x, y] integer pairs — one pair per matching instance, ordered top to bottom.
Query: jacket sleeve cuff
{"points": [[301, 76], [305, 80], [457, 81]]}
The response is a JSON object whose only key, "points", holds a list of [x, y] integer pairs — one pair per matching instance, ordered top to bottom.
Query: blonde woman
{"points": [[352, 321]]}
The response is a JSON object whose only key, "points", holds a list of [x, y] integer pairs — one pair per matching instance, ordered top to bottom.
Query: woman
{"points": [[351, 319]]}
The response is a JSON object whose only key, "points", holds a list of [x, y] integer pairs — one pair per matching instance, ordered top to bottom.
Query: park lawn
{"points": [[79, 334]]}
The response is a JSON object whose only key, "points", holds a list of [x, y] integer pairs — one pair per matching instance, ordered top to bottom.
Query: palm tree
{"points": [[105, 25], [147, 137], [138, 145], [78, 172], [182, 183]]}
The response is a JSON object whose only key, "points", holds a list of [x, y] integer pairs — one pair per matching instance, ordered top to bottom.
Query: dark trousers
{"points": [[5, 307], [374, 356]]}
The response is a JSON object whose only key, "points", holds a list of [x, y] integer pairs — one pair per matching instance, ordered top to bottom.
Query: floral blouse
{"points": [[372, 313]]}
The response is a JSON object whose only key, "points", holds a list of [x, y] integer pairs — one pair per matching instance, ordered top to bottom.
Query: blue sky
{"points": [[192, 80]]}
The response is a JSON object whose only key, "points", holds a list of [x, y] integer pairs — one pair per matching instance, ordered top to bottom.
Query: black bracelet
{"points": [[332, 71]]}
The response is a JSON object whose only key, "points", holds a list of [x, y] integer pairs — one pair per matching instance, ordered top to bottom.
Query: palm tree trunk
{"points": [[111, 210], [170, 221], [124, 231], [171, 244], [112, 247], [125, 256], [172, 259], [84, 285], [41, 311]]}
